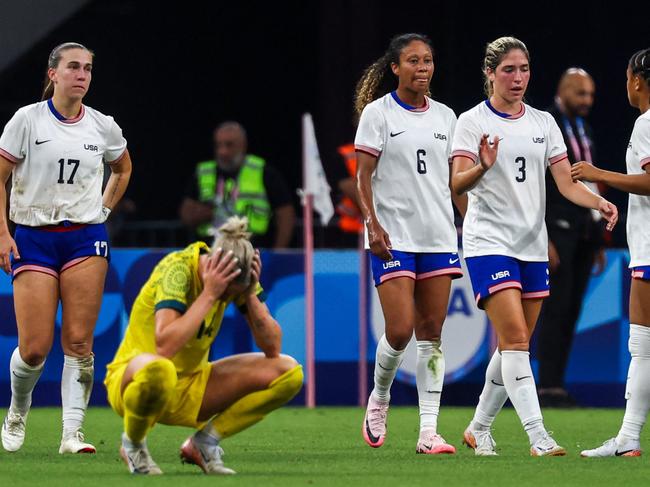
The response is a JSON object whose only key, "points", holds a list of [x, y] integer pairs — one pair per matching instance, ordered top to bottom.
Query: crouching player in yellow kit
{"points": [[161, 372]]}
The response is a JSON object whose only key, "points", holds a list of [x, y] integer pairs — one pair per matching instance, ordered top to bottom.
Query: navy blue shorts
{"points": [[55, 248], [415, 265], [641, 272], [493, 273]]}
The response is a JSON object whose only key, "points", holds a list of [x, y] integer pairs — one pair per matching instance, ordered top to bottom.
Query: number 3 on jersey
{"points": [[422, 164], [522, 169], [101, 248]]}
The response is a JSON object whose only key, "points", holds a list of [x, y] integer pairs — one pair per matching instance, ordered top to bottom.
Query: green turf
{"points": [[296, 446]]}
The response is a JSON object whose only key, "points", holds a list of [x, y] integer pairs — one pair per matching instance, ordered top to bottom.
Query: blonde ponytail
{"points": [[233, 236]]}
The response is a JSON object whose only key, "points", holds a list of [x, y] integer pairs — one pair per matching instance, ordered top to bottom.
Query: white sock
{"points": [[387, 361], [430, 375], [23, 380], [520, 385], [76, 386], [637, 390], [493, 397], [208, 435]]}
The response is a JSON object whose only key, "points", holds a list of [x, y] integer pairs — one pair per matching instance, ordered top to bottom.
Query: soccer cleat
{"points": [[374, 423], [13, 431], [480, 441], [75, 443], [431, 443], [546, 447], [611, 448], [207, 457], [137, 458]]}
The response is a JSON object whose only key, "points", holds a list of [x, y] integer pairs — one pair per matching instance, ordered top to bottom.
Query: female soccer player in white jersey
{"points": [[403, 144], [56, 150], [637, 183], [504, 236]]}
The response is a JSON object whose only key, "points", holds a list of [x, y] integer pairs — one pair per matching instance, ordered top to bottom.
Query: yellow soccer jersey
{"points": [[174, 283]]}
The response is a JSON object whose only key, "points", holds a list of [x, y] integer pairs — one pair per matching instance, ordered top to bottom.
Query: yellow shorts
{"points": [[184, 406]]}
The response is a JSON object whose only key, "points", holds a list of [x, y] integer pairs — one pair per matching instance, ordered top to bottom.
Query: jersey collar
{"points": [[408, 107], [506, 115], [60, 117]]}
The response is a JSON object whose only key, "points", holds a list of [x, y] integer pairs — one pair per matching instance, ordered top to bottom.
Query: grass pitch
{"points": [[297, 446]]}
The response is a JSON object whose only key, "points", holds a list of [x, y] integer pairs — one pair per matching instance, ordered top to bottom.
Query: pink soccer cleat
{"points": [[374, 423], [431, 443]]}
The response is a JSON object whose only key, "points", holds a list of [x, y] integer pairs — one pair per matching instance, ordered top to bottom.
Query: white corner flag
{"points": [[314, 180]]}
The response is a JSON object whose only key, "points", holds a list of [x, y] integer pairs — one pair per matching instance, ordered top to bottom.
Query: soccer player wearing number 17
{"points": [[403, 146], [55, 151], [504, 236]]}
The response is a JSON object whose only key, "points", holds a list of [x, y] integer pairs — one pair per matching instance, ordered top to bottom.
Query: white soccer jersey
{"points": [[59, 164], [410, 186], [506, 208], [638, 209]]}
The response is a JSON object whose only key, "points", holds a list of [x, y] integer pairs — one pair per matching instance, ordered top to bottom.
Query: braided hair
{"points": [[640, 64], [378, 78]]}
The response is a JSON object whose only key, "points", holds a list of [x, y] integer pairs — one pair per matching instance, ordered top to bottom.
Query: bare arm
{"points": [[118, 181], [630, 183], [348, 187], [578, 193], [460, 200], [193, 213], [285, 220], [378, 238], [7, 243], [173, 329]]}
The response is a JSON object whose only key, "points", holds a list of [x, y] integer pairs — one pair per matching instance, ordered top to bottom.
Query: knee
{"points": [[429, 328], [398, 340], [515, 341], [78, 347], [34, 354], [286, 363], [156, 379], [290, 380]]}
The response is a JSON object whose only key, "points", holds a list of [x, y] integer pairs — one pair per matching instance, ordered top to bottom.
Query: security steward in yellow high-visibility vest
{"points": [[237, 183]]}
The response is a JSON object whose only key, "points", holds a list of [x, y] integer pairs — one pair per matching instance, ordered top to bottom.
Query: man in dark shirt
{"points": [[238, 183], [575, 242]]}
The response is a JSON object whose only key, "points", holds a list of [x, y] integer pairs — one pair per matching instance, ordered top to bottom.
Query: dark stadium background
{"points": [[169, 72]]}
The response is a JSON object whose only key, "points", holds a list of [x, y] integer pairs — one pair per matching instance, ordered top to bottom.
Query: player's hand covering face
{"points": [[220, 270]]}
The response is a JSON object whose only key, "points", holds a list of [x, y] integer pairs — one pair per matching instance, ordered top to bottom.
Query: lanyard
{"points": [[573, 140], [227, 189]]}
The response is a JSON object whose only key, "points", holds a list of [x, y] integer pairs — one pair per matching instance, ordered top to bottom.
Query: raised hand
{"points": [[487, 151], [220, 270]]}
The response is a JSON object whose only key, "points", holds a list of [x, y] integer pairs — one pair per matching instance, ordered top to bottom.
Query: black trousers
{"points": [[561, 310]]}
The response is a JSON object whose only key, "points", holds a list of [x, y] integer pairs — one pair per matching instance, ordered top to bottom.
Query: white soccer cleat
{"points": [[374, 422], [13, 431], [480, 441], [74, 443], [431, 443], [546, 447], [611, 448], [206, 457], [137, 458]]}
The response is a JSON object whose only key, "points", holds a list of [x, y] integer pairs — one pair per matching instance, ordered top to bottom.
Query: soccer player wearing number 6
{"points": [[403, 145], [55, 152], [637, 183], [504, 235]]}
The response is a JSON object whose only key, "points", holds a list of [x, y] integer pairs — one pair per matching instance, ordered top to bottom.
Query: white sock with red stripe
{"points": [[387, 361], [430, 375], [23, 380], [520, 385], [637, 390], [493, 397]]}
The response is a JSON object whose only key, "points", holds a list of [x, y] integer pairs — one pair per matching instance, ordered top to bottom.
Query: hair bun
{"points": [[235, 228]]}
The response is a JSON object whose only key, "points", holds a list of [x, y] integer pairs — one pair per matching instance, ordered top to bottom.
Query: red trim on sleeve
{"points": [[367, 150], [464, 153], [9, 157], [558, 158], [118, 159], [644, 162]]}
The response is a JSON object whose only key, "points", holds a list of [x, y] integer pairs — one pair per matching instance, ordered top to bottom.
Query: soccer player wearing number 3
{"points": [[403, 147], [55, 151], [637, 183], [504, 236]]}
